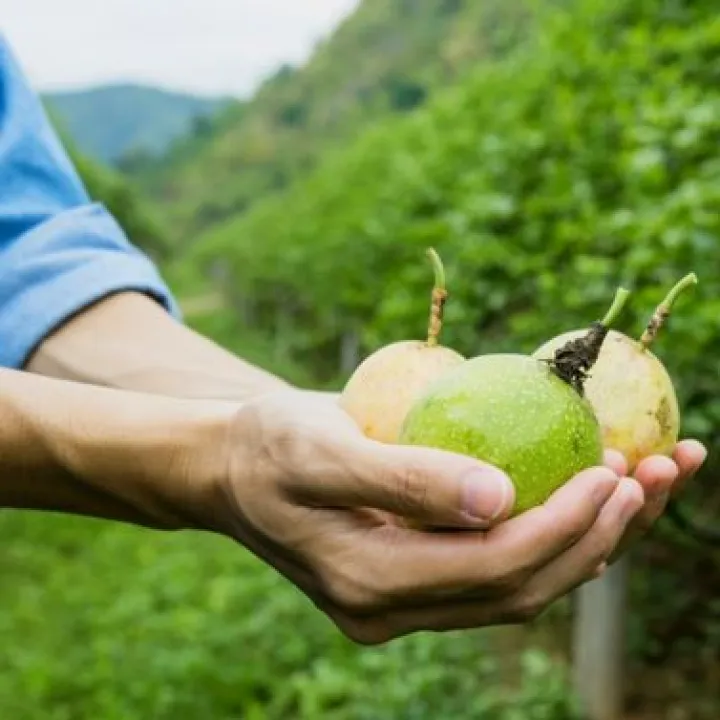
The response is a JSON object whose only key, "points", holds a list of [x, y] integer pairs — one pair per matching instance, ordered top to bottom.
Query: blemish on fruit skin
{"points": [[663, 415]]}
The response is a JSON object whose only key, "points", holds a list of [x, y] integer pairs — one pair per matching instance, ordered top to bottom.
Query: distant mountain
{"points": [[386, 58], [109, 122]]}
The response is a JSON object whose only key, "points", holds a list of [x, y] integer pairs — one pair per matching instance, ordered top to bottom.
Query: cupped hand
{"points": [[661, 478], [308, 493]]}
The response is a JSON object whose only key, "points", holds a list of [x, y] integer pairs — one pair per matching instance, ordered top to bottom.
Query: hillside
{"points": [[387, 57], [108, 122], [128, 207]]}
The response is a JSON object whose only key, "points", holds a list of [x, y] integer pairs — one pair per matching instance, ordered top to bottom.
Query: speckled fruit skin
{"points": [[382, 390], [632, 395], [513, 412]]}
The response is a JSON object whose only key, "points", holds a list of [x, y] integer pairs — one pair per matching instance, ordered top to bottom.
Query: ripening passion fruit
{"points": [[382, 389], [630, 390], [518, 413]]}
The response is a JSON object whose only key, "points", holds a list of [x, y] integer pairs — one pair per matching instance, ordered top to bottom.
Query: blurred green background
{"points": [[549, 151]]}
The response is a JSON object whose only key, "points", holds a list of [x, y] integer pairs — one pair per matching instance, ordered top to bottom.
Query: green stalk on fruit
{"points": [[382, 389]]}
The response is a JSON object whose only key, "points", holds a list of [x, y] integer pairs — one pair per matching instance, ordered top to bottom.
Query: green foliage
{"points": [[386, 58], [110, 122], [581, 159], [584, 160], [122, 199], [125, 203], [106, 621]]}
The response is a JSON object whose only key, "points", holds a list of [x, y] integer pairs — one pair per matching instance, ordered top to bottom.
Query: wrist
{"points": [[161, 459]]}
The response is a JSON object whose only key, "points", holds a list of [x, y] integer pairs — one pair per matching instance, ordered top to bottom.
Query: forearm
{"points": [[128, 341], [117, 455]]}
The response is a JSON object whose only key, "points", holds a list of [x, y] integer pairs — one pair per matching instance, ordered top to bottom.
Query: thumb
{"points": [[435, 487]]}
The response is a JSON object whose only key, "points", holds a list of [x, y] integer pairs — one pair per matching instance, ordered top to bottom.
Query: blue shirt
{"points": [[59, 251]]}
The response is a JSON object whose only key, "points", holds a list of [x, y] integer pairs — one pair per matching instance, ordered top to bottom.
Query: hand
{"points": [[661, 478], [308, 493]]}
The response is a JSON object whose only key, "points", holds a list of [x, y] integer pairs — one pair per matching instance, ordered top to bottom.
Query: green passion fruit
{"points": [[526, 416]]}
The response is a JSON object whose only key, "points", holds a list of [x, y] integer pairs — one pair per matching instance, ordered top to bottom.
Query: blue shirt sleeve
{"points": [[59, 252]]}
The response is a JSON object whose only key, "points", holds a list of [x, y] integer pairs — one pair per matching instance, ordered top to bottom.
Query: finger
{"points": [[689, 455], [616, 461], [656, 475], [431, 486], [583, 562], [406, 564]]}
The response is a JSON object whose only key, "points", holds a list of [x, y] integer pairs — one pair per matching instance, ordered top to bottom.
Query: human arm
{"points": [[77, 299], [130, 342], [155, 354], [74, 448], [289, 477]]}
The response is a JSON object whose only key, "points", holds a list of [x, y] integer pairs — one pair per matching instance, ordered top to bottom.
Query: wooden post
{"points": [[349, 351], [599, 644]]}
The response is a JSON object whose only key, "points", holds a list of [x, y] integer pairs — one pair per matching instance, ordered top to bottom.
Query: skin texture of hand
{"points": [[143, 349], [110, 454], [323, 506]]}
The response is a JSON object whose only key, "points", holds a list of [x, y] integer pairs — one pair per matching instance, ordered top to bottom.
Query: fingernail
{"points": [[700, 449], [668, 466], [606, 481], [487, 494], [633, 498]]}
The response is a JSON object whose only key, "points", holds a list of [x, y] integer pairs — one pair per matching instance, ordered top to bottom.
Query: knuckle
{"points": [[411, 489], [573, 529], [574, 532], [608, 538], [603, 551], [507, 582], [351, 594], [528, 608], [366, 633]]}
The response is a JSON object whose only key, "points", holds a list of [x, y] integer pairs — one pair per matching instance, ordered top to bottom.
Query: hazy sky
{"points": [[206, 46]]}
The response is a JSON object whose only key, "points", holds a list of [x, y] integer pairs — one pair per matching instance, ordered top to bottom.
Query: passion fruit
{"points": [[384, 386], [630, 389]]}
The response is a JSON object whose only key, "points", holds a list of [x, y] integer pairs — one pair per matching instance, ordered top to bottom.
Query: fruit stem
{"points": [[439, 296], [618, 304], [663, 310], [572, 361]]}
